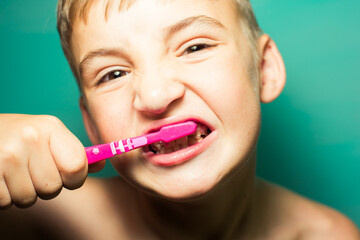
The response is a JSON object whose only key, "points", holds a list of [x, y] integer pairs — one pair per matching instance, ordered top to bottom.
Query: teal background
{"points": [[310, 139]]}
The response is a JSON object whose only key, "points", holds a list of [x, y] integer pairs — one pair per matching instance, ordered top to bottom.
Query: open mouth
{"points": [[201, 132]]}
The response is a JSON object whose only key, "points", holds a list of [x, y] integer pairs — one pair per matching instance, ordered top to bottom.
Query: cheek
{"points": [[229, 91], [230, 94], [111, 115]]}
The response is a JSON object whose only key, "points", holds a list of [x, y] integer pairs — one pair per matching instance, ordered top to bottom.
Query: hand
{"points": [[38, 157]]}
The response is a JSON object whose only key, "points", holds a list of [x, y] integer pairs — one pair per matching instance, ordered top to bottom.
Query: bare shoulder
{"points": [[75, 214], [302, 218]]}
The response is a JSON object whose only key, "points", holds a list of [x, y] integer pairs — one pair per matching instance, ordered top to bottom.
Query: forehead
{"points": [[80, 9], [104, 20]]}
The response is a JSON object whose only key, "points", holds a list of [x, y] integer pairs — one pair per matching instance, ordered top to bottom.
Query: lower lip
{"points": [[182, 155]]}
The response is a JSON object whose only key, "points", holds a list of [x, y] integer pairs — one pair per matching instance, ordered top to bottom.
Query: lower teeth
{"points": [[181, 143]]}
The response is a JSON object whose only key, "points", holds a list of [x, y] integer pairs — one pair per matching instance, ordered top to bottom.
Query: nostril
{"points": [[156, 97], [152, 102], [153, 106], [151, 109]]}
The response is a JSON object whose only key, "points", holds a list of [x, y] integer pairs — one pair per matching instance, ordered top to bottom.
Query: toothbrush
{"points": [[167, 133]]}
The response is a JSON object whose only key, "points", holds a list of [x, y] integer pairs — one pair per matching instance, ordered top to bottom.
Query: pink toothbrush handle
{"points": [[167, 133], [103, 151], [99, 152]]}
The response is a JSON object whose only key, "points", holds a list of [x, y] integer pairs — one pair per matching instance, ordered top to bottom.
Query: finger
{"points": [[69, 156], [97, 167], [44, 174], [20, 185], [5, 199]]}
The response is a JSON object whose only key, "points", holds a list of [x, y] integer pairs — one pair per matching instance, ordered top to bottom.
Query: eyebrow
{"points": [[195, 20], [167, 33], [97, 53]]}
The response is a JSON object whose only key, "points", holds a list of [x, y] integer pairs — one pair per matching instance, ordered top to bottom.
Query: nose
{"points": [[156, 90]]}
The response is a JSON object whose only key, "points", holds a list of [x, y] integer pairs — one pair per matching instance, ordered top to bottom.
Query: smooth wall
{"points": [[310, 138]]}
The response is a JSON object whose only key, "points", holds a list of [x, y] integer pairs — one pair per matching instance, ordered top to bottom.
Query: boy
{"points": [[141, 65]]}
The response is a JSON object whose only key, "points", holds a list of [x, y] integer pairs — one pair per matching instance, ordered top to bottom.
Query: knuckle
{"points": [[52, 120], [29, 134], [8, 154], [9, 157], [77, 165], [74, 181], [75, 184], [50, 190], [5, 201], [25, 201], [4, 207]]}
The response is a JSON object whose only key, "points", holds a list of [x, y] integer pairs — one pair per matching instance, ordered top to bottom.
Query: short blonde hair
{"points": [[69, 10]]}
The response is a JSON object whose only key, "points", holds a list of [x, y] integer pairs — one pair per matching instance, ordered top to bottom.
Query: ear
{"points": [[272, 70], [89, 123]]}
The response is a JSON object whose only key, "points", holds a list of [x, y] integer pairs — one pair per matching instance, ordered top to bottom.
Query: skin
{"points": [[165, 83], [213, 195]]}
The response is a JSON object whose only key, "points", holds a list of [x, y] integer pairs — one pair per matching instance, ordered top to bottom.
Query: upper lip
{"points": [[154, 126]]}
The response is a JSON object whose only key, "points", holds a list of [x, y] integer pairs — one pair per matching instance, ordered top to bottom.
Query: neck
{"points": [[218, 215]]}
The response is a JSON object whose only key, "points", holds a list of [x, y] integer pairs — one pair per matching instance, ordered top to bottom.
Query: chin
{"points": [[188, 189]]}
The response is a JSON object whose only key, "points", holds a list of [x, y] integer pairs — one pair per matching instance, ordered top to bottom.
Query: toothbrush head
{"points": [[175, 131]]}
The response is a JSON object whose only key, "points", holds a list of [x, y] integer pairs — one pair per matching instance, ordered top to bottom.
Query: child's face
{"points": [[163, 62]]}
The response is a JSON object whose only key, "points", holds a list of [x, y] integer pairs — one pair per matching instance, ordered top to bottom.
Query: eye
{"points": [[197, 48], [113, 75]]}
